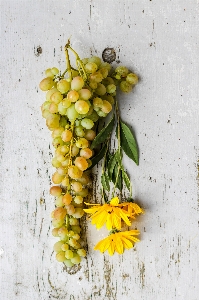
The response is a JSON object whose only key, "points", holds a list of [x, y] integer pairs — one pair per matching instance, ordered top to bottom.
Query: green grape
{"points": [[95, 59], [105, 65], [91, 67], [54, 71], [122, 71], [104, 72], [48, 73], [75, 73], [96, 77], [132, 78], [108, 81], [77, 83], [46, 84], [93, 84], [63, 86], [125, 86], [111, 88], [100, 90], [50, 92], [84, 94], [73, 96], [56, 97], [110, 99], [66, 102], [97, 102], [45, 105], [81, 107], [106, 107], [62, 109], [71, 113], [102, 114], [94, 116], [52, 121], [63, 121], [87, 123], [79, 131], [57, 132], [90, 134], [66, 135], [57, 142], [82, 143], [64, 149], [74, 150], [86, 153], [60, 157], [56, 163], [81, 163], [62, 171], [74, 172], [57, 178], [85, 179], [65, 181], [77, 186], [55, 191], [83, 193], [67, 198], [78, 200], [59, 202], [70, 209], [59, 213], [78, 213], [73, 221], [57, 223], [76, 228], [55, 232], [63, 233], [71, 233], [76, 236], [57, 246], [64, 247], [81, 252], [69, 254], [60, 257], [76, 259], [68, 263]]}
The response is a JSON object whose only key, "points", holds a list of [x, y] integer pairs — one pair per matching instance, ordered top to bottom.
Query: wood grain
{"points": [[159, 41]]}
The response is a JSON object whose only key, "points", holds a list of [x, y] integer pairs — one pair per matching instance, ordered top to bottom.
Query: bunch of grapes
{"points": [[75, 101]]}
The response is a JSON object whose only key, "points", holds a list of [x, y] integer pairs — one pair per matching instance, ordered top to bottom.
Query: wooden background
{"points": [[159, 41]]}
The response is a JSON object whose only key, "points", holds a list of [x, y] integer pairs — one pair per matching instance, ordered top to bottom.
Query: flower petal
{"points": [[115, 201], [118, 244], [127, 244], [103, 245], [111, 248]]}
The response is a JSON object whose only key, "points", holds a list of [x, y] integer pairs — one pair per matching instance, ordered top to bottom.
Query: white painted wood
{"points": [[159, 41]]}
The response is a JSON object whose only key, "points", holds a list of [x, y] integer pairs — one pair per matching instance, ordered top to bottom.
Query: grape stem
{"points": [[79, 63], [68, 64]]}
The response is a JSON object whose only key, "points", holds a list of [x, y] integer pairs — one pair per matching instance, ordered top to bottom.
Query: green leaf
{"points": [[103, 134], [128, 143], [98, 157], [112, 162], [117, 175], [126, 179], [105, 182], [119, 184]]}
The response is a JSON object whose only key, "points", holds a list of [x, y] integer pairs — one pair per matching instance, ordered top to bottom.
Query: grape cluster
{"points": [[75, 101]]}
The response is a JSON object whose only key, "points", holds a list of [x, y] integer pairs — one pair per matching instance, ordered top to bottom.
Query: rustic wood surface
{"points": [[159, 41]]}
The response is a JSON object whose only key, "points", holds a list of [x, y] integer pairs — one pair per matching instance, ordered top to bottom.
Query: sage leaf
{"points": [[103, 134], [128, 143], [112, 162], [126, 179], [105, 182]]}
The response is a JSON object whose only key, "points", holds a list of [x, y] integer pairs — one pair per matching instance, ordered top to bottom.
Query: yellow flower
{"points": [[132, 208], [111, 214], [118, 242]]}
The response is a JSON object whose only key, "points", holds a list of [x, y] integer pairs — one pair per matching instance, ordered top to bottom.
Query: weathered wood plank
{"points": [[158, 40]]}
